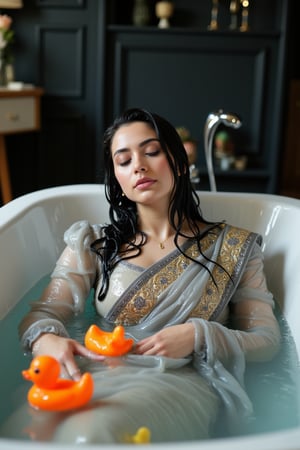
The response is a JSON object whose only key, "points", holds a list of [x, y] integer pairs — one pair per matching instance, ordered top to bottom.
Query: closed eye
{"points": [[155, 153], [150, 154], [124, 163]]}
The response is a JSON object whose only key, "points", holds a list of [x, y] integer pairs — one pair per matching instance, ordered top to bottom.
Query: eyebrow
{"points": [[141, 144]]}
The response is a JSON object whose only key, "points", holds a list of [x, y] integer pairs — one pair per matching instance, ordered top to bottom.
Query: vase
{"points": [[164, 10], [140, 13], [3, 72]]}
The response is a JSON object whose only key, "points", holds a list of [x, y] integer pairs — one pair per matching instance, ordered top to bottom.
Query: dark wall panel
{"points": [[61, 72], [62, 160]]}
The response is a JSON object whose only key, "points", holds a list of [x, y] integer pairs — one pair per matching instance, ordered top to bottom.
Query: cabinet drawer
{"points": [[17, 114]]}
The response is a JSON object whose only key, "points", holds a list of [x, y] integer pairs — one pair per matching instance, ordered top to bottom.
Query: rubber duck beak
{"points": [[26, 374]]}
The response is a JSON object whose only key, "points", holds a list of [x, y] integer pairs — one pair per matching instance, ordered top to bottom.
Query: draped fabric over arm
{"points": [[71, 281], [221, 353]]}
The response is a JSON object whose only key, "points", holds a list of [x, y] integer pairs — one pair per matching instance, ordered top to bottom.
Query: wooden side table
{"points": [[19, 113]]}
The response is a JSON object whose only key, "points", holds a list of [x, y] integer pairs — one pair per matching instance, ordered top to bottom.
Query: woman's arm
{"points": [[43, 329], [254, 330]]}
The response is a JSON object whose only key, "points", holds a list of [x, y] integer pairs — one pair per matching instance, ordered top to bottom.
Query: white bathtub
{"points": [[31, 230]]}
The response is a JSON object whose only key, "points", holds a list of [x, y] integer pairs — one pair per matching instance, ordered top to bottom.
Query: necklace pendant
{"points": [[161, 244]]}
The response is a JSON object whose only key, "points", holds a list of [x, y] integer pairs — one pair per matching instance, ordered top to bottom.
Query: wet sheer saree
{"points": [[177, 399]]}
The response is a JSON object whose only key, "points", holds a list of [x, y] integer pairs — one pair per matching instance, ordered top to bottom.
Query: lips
{"points": [[144, 183]]}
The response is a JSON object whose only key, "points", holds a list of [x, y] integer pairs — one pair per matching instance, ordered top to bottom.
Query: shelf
{"points": [[263, 15], [189, 31]]}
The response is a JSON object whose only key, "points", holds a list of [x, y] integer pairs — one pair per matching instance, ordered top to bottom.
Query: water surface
{"points": [[273, 387]]}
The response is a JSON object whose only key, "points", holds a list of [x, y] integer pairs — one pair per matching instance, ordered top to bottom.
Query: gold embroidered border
{"points": [[229, 256], [143, 301]]}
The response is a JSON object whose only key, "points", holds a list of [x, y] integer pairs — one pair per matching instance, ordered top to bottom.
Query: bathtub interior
{"points": [[32, 227]]}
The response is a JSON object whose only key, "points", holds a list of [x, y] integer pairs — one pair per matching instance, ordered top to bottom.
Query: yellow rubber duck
{"points": [[108, 343], [49, 392], [142, 436]]}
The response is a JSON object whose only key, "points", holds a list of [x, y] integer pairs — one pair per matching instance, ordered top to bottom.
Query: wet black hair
{"points": [[123, 227]]}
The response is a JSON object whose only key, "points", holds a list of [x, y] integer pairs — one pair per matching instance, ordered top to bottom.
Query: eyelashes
{"points": [[149, 154]]}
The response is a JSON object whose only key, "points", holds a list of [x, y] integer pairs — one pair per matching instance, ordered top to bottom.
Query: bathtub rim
{"points": [[28, 201], [288, 439]]}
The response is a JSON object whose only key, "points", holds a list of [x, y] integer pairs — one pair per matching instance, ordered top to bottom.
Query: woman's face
{"points": [[140, 164]]}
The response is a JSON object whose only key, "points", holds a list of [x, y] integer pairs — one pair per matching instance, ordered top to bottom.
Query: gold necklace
{"points": [[161, 244]]}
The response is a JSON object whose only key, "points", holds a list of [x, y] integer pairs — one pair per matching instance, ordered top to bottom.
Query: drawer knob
{"points": [[12, 117]]}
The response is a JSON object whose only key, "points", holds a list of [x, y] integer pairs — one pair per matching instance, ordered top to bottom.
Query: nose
{"points": [[140, 165], [140, 169]]}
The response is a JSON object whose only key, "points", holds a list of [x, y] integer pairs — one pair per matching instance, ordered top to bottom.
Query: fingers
{"points": [[146, 347], [64, 350], [83, 351], [70, 364], [71, 372]]}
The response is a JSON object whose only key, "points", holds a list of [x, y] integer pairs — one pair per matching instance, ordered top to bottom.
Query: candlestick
{"points": [[245, 15], [214, 16]]}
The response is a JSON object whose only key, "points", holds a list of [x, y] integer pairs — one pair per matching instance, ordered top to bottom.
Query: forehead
{"points": [[132, 134]]}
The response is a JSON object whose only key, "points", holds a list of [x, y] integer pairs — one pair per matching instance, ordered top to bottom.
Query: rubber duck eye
{"points": [[36, 370]]}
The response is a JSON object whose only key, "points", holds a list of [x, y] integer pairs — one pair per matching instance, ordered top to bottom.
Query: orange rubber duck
{"points": [[108, 343], [49, 392]]}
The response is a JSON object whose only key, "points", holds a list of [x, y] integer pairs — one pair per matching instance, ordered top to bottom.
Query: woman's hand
{"points": [[176, 341], [64, 350]]}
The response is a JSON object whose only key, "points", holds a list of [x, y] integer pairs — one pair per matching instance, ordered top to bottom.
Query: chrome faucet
{"points": [[212, 122]]}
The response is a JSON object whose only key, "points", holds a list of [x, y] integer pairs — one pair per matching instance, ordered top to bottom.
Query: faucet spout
{"points": [[213, 120]]}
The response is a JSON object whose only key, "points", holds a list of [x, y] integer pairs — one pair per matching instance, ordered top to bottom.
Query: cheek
{"points": [[162, 164], [164, 168], [121, 176]]}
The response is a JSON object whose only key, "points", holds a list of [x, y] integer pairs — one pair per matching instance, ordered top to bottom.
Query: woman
{"points": [[191, 293]]}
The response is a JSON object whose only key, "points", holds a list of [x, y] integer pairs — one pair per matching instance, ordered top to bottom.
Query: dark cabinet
{"points": [[184, 73]]}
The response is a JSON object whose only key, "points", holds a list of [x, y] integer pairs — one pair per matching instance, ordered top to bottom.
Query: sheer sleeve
{"points": [[71, 281], [254, 326], [221, 352]]}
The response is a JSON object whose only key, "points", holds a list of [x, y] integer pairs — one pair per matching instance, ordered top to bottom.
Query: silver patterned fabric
{"points": [[177, 399]]}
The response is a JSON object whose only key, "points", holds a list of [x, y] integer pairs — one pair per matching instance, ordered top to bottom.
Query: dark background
{"points": [[93, 62]]}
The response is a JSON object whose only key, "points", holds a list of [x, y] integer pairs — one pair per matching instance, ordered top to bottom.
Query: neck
{"points": [[155, 223], [161, 242]]}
